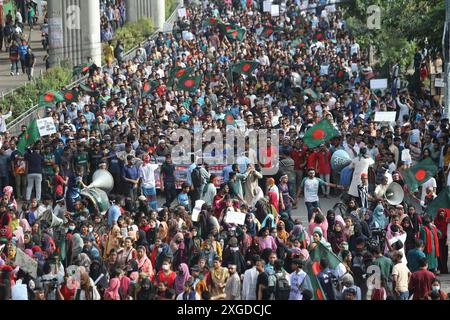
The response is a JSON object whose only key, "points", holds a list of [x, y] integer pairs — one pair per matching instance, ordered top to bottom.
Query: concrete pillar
{"points": [[132, 10], [158, 14], [56, 30], [90, 30], [74, 31]]}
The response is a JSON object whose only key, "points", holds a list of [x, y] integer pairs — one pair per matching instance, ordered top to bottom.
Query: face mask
{"points": [[82, 218], [71, 228], [66, 229], [91, 229], [165, 267], [436, 288]]}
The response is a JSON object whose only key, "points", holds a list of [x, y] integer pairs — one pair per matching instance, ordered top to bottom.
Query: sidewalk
{"points": [[8, 82]]}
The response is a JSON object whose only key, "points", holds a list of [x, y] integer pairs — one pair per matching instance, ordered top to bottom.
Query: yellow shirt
{"points": [[109, 53]]}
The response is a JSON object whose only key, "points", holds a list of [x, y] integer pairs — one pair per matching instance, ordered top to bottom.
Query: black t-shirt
{"points": [[168, 170], [263, 279]]}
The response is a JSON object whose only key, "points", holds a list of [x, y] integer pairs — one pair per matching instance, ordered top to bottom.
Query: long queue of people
{"points": [[145, 248]]}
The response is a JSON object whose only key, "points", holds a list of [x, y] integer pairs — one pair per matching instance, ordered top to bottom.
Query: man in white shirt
{"points": [[3, 118], [148, 182], [430, 183], [249, 283]]}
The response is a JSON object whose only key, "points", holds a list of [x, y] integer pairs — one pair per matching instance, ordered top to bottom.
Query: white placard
{"points": [[267, 6], [275, 10], [182, 12], [324, 69], [439, 83], [378, 84], [385, 116], [46, 126], [197, 209], [235, 217], [26, 263]]}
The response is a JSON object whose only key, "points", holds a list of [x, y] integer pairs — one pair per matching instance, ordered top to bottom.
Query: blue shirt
{"points": [[130, 172], [226, 173], [113, 214]]}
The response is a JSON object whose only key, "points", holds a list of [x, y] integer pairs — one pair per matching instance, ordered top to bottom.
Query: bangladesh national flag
{"points": [[213, 21], [225, 27], [267, 31], [236, 34], [318, 36], [245, 67], [82, 69], [178, 73], [341, 75], [189, 83], [149, 87], [89, 91], [71, 96], [51, 98], [229, 119], [320, 133], [28, 137], [419, 174], [441, 201], [323, 252], [312, 270]]}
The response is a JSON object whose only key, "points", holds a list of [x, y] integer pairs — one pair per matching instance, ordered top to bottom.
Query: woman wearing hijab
{"points": [[251, 186], [441, 222], [251, 224], [408, 227], [301, 235], [317, 236], [336, 236], [430, 237], [113, 240], [127, 252], [144, 263], [182, 276], [87, 290], [146, 290], [112, 293]]}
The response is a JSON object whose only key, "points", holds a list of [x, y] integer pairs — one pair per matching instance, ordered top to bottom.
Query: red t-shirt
{"points": [[298, 155], [311, 161], [324, 162], [58, 183], [170, 279], [420, 283]]}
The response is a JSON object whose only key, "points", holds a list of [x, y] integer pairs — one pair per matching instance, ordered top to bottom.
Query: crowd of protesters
{"points": [[113, 17], [146, 249]]}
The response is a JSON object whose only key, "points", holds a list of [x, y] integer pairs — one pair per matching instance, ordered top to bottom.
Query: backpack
{"points": [[196, 177], [358, 265], [282, 287]]}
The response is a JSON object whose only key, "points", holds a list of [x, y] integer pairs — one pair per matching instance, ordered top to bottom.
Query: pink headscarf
{"points": [[8, 190], [20, 238], [29, 252], [181, 279], [112, 293]]}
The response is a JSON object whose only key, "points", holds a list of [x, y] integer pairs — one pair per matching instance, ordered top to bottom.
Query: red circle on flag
{"points": [[212, 20], [227, 28], [269, 31], [235, 33], [246, 67], [85, 69], [180, 73], [189, 83], [146, 87], [68, 95], [49, 97], [318, 134], [27, 136], [421, 174], [316, 267], [319, 294]]}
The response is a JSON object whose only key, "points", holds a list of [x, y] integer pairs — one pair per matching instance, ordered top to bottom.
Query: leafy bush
{"points": [[170, 6], [133, 33], [28, 95]]}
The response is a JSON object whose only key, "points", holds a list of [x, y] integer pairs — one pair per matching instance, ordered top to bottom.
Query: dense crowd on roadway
{"points": [[187, 246]]}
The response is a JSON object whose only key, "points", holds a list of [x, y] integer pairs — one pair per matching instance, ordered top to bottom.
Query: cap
{"points": [[364, 175]]}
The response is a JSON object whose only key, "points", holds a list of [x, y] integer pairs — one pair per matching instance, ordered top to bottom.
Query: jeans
{"points": [[16, 65], [23, 65], [30, 73], [325, 177], [36, 179], [298, 179], [21, 185], [170, 193], [310, 206], [403, 295]]}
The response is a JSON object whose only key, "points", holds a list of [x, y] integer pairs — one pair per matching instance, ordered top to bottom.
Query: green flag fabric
{"points": [[213, 21], [267, 31], [236, 34], [245, 67], [81, 69], [179, 74], [341, 75], [189, 83], [149, 87], [89, 91], [70, 96], [51, 98], [229, 119], [320, 133], [28, 137], [419, 174], [441, 201], [323, 252], [312, 270]]}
